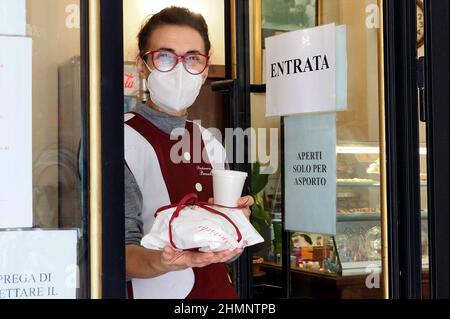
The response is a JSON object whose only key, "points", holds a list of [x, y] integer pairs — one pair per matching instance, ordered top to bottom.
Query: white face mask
{"points": [[174, 91]]}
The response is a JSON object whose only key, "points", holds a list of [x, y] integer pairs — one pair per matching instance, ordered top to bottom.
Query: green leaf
{"points": [[258, 181], [259, 201], [259, 212], [257, 227]]}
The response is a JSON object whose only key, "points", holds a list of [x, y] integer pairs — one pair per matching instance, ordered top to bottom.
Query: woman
{"points": [[174, 53]]}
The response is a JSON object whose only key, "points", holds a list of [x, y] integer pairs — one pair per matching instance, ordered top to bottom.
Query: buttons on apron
{"points": [[187, 156], [198, 187]]}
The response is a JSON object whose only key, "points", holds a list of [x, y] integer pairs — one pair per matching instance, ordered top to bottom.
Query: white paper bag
{"points": [[207, 227]]}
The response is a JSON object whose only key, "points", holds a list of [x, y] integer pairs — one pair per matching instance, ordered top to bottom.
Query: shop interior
{"points": [[322, 266]]}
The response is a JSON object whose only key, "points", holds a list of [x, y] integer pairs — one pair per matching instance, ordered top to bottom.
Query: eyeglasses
{"points": [[165, 61]]}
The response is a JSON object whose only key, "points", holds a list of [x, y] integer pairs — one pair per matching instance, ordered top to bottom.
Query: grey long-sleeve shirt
{"points": [[133, 196]]}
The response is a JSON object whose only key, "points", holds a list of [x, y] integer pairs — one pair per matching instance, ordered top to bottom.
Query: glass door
{"points": [[61, 120], [422, 150], [43, 179], [352, 262]]}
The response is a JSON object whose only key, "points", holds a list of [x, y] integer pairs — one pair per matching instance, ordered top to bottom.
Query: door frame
{"points": [[237, 11], [102, 94], [437, 102], [402, 118], [402, 144], [402, 150]]}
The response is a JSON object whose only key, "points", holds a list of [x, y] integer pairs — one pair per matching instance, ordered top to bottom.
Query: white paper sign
{"points": [[13, 17], [341, 68], [301, 71], [15, 133], [310, 173], [38, 264]]}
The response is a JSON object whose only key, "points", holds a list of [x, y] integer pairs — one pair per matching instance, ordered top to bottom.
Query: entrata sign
{"points": [[294, 66], [301, 71]]}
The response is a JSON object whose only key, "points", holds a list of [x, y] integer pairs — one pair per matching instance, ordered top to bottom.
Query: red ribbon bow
{"points": [[192, 200]]}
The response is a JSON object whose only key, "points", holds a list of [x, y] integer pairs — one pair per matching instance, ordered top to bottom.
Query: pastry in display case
{"points": [[358, 228], [357, 242], [356, 249]]}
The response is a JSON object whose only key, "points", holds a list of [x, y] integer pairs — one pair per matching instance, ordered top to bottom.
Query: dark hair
{"points": [[173, 16]]}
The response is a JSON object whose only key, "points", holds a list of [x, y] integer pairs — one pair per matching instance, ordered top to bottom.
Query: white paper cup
{"points": [[227, 186]]}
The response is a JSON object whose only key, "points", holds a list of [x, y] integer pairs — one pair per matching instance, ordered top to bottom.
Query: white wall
{"points": [[136, 11]]}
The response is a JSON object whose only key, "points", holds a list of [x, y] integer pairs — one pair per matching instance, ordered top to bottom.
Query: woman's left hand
{"points": [[245, 203]]}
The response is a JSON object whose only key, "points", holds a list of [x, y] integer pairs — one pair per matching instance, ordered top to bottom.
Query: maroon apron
{"points": [[211, 282]]}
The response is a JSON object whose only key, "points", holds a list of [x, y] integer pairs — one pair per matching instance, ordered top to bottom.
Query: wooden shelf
{"points": [[314, 284]]}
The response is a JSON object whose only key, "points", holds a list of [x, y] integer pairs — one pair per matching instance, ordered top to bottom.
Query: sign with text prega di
{"points": [[306, 71], [310, 173], [38, 264]]}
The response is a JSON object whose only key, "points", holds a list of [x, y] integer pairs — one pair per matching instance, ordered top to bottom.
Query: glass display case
{"points": [[356, 248]]}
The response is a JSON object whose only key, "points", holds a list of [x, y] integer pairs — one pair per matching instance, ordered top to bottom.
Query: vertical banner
{"points": [[15, 133], [310, 173], [38, 264]]}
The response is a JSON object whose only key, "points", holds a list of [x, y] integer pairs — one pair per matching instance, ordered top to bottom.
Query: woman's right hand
{"points": [[178, 260]]}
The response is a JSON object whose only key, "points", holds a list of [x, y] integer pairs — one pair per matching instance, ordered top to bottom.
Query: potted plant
{"points": [[259, 209]]}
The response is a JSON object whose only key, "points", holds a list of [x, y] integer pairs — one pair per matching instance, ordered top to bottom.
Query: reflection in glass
{"points": [[58, 169], [373, 243], [323, 266]]}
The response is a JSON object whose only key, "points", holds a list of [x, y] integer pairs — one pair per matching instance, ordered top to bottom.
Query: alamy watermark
{"points": [[73, 16], [372, 16], [72, 20], [249, 145], [373, 277]]}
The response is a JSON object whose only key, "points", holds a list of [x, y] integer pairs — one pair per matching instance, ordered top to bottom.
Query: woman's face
{"points": [[178, 39]]}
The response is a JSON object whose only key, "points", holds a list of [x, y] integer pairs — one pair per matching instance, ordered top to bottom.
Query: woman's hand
{"points": [[244, 203], [178, 260], [148, 263]]}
